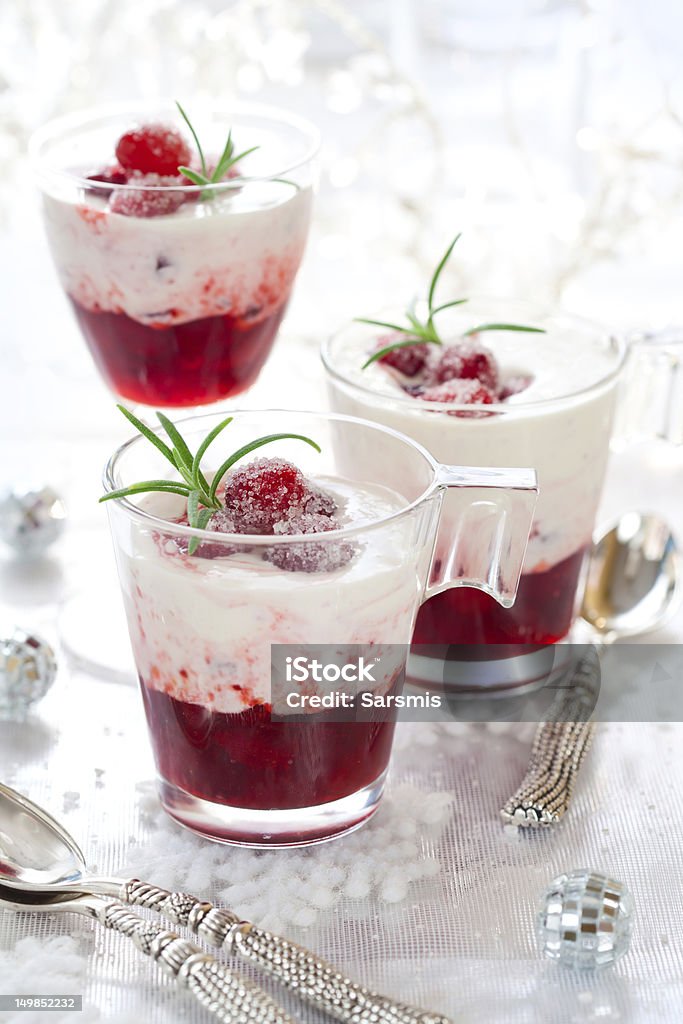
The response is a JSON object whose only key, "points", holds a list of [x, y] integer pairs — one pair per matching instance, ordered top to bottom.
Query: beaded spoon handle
{"points": [[559, 749], [56, 870], [310, 977], [231, 998]]}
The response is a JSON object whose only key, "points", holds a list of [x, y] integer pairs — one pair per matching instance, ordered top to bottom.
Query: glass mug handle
{"points": [[650, 404], [482, 537]]}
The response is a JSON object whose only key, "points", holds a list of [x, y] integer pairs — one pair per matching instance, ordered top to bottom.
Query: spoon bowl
{"points": [[633, 578], [35, 850]]}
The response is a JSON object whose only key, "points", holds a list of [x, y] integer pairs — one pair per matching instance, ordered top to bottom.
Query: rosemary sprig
{"points": [[227, 159], [424, 330], [202, 498]]}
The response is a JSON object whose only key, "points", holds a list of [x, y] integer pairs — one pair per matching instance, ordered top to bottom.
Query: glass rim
{"points": [[91, 115], [417, 404], [267, 540]]}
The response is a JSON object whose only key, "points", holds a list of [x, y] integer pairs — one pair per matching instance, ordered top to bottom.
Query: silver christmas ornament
{"points": [[31, 520], [27, 671], [584, 920]]}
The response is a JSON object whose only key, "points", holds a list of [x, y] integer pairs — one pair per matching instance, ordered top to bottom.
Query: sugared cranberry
{"points": [[153, 149], [113, 175], [155, 200], [408, 360], [467, 360], [513, 385], [459, 392], [264, 492], [319, 502], [220, 522], [309, 556]]}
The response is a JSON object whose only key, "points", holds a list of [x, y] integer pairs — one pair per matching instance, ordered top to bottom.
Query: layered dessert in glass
{"points": [[178, 260], [503, 397], [282, 545], [202, 623]]}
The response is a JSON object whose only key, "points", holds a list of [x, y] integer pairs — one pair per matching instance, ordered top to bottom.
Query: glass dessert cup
{"points": [[180, 307], [560, 424], [202, 626]]}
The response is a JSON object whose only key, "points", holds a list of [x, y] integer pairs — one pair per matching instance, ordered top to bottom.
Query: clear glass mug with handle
{"points": [[558, 418], [202, 624]]}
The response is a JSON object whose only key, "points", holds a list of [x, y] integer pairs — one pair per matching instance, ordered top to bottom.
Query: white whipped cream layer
{"points": [[235, 254], [560, 425], [201, 629]]}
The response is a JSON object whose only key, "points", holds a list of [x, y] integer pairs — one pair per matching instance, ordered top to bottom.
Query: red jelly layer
{"points": [[193, 363], [542, 612], [246, 760]]}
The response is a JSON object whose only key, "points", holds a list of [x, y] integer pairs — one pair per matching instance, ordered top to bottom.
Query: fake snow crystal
{"points": [[384, 860]]}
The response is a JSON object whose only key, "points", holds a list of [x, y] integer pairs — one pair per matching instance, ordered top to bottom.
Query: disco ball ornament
{"points": [[31, 520], [27, 671], [584, 920]]}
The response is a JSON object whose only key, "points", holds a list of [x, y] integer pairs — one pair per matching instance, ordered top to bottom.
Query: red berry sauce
{"points": [[191, 363], [542, 612], [248, 760]]}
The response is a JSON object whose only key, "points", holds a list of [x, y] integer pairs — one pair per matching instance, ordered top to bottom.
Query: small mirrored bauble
{"points": [[31, 520], [27, 671], [584, 920]]}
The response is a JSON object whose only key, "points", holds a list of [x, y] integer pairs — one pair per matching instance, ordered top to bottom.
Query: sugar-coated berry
{"points": [[153, 149], [113, 175], [156, 199], [408, 359], [467, 360], [459, 392], [263, 492], [319, 502], [220, 522], [309, 556]]}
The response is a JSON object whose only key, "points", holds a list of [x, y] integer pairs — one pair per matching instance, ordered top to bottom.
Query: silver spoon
{"points": [[633, 585], [43, 867], [231, 998]]}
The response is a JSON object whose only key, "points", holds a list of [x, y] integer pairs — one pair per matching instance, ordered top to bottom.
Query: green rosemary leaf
{"points": [[194, 136], [224, 157], [225, 166], [194, 176], [437, 273], [448, 305], [383, 323], [416, 324], [503, 327], [398, 344], [148, 433], [180, 444], [252, 446], [201, 451], [185, 455], [183, 469], [148, 485], [192, 507], [203, 516]]}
